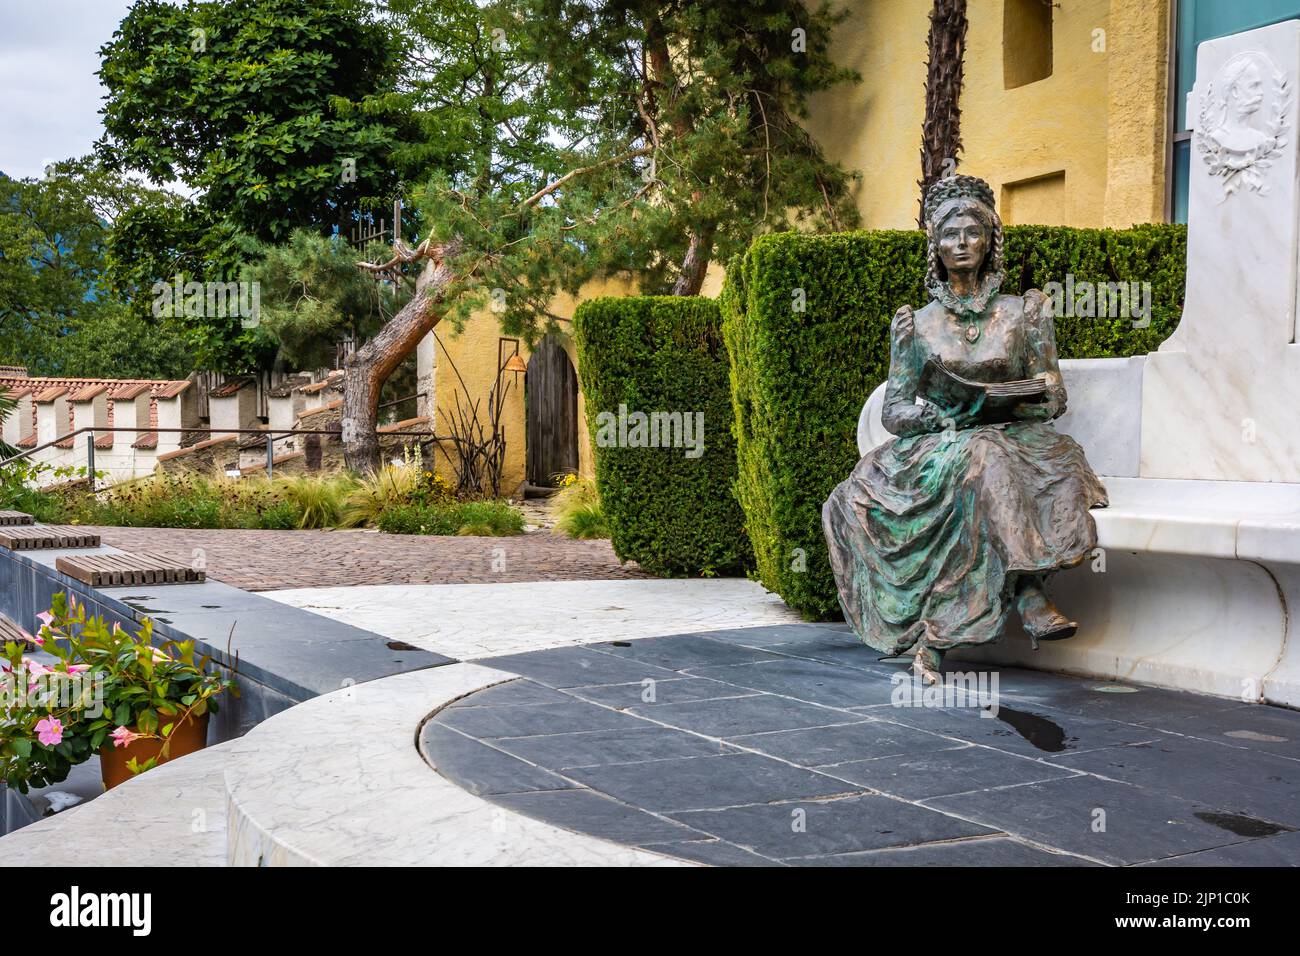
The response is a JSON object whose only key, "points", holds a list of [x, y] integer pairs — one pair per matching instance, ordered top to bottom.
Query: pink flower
{"points": [[45, 617], [37, 640], [35, 668], [78, 668], [50, 731], [123, 737]]}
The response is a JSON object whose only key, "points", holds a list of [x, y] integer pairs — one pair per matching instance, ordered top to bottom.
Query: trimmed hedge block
{"points": [[806, 323], [670, 502]]}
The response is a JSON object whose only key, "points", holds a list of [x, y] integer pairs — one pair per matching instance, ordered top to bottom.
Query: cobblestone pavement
{"points": [[273, 560]]}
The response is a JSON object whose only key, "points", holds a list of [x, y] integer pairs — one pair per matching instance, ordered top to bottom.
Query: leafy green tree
{"points": [[280, 113], [312, 295]]}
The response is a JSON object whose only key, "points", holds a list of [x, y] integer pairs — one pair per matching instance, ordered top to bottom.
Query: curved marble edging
{"points": [[338, 781], [174, 815]]}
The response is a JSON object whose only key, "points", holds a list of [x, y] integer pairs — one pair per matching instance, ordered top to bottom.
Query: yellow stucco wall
{"points": [[1083, 147], [474, 352]]}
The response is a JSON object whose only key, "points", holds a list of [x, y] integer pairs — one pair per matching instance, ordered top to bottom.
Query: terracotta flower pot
{"points": [[190, 734]]}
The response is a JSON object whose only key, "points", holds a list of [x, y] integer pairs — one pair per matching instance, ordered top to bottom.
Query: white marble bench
{"points": [[1196, 584]]}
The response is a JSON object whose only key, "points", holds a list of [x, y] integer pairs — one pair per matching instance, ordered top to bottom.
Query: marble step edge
{"points": [[338, 781], [174, 815]]}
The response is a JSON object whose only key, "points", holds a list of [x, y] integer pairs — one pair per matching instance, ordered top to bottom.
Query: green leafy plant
{"points": [[806, 322], [576, 508], [668, 508], [482, 518], [105, 685]]}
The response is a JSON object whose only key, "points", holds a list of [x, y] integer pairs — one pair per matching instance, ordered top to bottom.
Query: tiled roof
{"points": [[334, 378], [232, 387], [159, 388], [131, 390], [50, 393], [149, 440]]}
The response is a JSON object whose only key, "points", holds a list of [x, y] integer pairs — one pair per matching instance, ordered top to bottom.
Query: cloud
{"points": [[49, 95]]}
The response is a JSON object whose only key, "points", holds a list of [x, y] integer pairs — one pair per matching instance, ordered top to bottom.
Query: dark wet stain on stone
{"points": [[210, 605], [620, 644], [401, 646], [1044, 734], [1242, 825]]}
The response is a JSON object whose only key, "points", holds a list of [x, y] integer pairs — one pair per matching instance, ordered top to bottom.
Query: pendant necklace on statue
{"points": [[972, 331]]}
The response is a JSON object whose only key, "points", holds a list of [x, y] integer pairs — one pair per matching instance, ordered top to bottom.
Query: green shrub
{"points": [[799, 378], [672, 514], [483, 518]]}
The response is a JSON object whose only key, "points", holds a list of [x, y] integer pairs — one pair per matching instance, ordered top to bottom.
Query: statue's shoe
{"points": [[1048, 624]]}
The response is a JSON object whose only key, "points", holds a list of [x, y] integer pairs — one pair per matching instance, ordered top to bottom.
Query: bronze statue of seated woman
{"points": [[939, 531]]}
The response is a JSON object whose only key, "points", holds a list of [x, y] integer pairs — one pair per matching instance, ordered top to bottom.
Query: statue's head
{"points": [[1245, 87], [963, 231]]}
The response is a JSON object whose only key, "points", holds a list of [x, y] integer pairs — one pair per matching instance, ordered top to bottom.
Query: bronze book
{"points": [[939, 380]]}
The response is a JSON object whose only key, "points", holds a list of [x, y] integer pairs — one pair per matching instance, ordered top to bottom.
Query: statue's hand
{"points": [[1034, 411]]}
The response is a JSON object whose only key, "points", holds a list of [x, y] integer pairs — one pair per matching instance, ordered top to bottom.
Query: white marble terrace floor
{"points": [[474, 621]]}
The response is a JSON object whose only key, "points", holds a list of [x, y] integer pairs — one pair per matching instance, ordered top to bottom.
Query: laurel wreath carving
{"points": [[1226, 163]]}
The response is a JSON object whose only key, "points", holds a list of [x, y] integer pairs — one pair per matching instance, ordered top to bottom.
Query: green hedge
{"points": [[799, 379], [672, 514]]}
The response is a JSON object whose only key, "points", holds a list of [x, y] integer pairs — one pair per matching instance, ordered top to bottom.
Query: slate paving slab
{"points": [[684, 651], [579, 667], [813, 681], [675, 690], [730, 717], [529, 719], [747, 727], [862, 740], [594, 748], [479, 768], [936, 774], [697, 783], [1255, 784], [579, 809], [1069, 814], [821, 827], [995, 851]]}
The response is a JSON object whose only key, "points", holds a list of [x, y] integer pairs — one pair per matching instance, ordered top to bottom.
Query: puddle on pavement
{"points": [[1044, 734], [1242, 825]]}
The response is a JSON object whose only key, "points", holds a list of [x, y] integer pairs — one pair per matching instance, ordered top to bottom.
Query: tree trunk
{"points": [[941, 133], [696, 262], [368, 368]]}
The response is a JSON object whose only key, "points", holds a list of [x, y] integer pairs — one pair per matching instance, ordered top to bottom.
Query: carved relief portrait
{"points": [[1242, 126]]}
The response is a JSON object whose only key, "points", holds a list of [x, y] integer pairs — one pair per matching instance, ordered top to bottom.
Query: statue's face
{"points": [[1248, 91], [963, 243]]}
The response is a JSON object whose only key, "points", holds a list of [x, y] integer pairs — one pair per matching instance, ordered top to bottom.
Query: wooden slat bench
{"points": [[15, 517], [32, 537], [115, 570], [9, 631]]}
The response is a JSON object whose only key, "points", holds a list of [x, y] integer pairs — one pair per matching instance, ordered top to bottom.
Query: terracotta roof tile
{"points": [[334, 378], [232, 387], [160, 388], [131, 390], [86, 392], [50, 393], [149, 440], [28, 441], [261, 466]]}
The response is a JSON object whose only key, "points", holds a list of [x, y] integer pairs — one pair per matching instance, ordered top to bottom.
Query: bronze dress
{"points": [[931, 532]]}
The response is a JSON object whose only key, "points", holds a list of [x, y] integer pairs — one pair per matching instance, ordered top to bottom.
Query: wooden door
{"points": [[551, 389]]}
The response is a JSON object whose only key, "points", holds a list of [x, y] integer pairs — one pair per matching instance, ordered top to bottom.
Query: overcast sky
{"points": [[49, 94]]}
